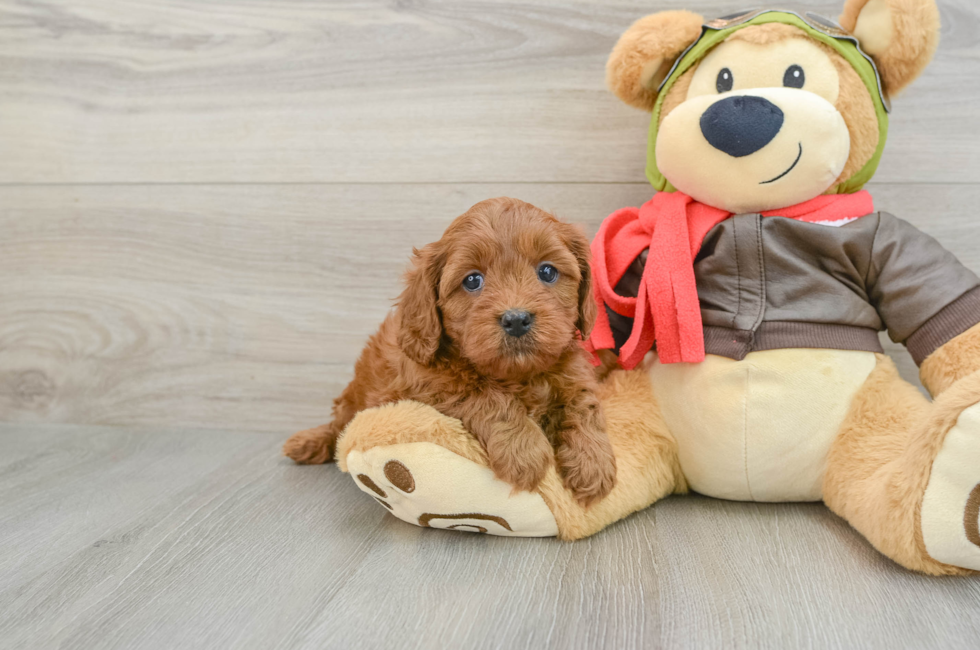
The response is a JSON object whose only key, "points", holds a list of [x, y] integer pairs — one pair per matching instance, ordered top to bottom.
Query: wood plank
{"points": [[451, 91], [216, 306], [245, 307], [197, 317], [61, 485], [215, 542]]}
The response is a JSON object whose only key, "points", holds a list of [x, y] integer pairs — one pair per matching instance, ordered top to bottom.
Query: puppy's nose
{"points": [[741, 125], [517, 322]]}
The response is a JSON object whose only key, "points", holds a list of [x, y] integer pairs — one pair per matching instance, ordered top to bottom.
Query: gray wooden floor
{"points": [[204, 211]]}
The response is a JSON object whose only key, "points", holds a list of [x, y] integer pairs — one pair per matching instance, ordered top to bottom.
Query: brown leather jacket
{"points": [[770, 282]]}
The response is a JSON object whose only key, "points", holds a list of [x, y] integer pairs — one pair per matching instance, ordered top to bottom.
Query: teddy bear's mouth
{"points": [[791, 167]]}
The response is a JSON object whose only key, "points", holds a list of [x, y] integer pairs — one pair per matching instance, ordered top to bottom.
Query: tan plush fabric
{"points": [[874, 26], [915, 36], [646, 51], [677, 94], [853, 102], [856, 106], [696, 167], [959, 358], [407, 422], [799, 423], [759, 429], [646, 460], [880, 464], [647, 468], [900, 469], [427, 485], [950, 513]]}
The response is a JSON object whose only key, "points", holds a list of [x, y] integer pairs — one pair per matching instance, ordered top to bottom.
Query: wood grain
{"points": [[452, 91], [206, 208], [246, 307], [164, 539]]}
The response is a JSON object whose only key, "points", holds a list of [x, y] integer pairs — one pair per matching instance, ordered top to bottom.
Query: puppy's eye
{"points": [[794, 77], [725, 80], [547, 274], [473, 282]]}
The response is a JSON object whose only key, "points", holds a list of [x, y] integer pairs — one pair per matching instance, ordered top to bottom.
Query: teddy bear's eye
{"points": [[794, 77], [725, 80]]}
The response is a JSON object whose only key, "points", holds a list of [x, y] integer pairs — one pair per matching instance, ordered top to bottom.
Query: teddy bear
{"points": [[742, 304]]}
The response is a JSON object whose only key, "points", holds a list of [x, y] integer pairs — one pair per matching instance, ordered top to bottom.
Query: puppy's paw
{"points": [[312, 446], [520, 458], [589, 469]]}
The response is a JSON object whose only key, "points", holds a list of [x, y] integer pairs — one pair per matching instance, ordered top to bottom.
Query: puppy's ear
{"points": [[901, 36], [646, 52], [578, 244], [421, 323]]}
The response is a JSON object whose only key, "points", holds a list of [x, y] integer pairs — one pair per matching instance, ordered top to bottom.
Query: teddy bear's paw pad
{"points": [[427, 485], [951, 504]]}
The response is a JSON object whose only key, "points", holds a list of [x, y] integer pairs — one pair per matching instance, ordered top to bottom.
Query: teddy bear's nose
{"points": [[741, 125]]}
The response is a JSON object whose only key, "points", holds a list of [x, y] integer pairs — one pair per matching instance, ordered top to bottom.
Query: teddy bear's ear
{"points": [[901, 35], [646, 52]]}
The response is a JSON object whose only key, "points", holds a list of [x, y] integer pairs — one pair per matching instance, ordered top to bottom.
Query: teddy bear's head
{"points": [[768, 109]]}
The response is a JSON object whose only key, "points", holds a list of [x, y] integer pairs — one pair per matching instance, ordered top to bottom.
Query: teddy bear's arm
{"points": [[927, 299], [952, 361]]}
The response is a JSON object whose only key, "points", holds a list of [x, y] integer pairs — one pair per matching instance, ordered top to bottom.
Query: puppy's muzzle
{"points": [[517, 322]]}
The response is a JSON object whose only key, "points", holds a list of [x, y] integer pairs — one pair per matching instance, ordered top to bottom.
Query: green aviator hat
{"points": [[820, 29]]}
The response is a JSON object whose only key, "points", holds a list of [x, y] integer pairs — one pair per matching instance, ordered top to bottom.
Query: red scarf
{"points": [[667, 310]]}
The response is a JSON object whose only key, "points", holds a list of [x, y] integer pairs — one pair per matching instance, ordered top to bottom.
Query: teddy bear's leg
{"points": [[952, 374], [427, 470], [903, 471]]}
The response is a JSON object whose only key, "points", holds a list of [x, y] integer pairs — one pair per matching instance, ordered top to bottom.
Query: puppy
{"points": [[486, 331]]}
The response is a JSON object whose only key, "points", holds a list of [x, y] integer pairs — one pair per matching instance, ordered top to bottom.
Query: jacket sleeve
{"points": [[924, 295]]}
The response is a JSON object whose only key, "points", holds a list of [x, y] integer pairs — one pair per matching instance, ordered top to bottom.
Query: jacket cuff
{"points": [[951, 321]]}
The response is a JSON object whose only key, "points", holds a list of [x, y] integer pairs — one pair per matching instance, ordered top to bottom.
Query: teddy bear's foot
{"points": [[427, 471], [427, 485], [950, 514]]}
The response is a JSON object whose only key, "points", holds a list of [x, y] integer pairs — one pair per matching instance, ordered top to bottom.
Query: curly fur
{"points": [[528, 400]]}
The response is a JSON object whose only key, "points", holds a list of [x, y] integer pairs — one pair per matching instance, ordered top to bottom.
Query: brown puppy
{"points": [[486, 331]]}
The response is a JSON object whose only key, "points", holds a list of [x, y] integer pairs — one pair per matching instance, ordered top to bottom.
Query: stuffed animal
{"points": [[744, 301]]}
